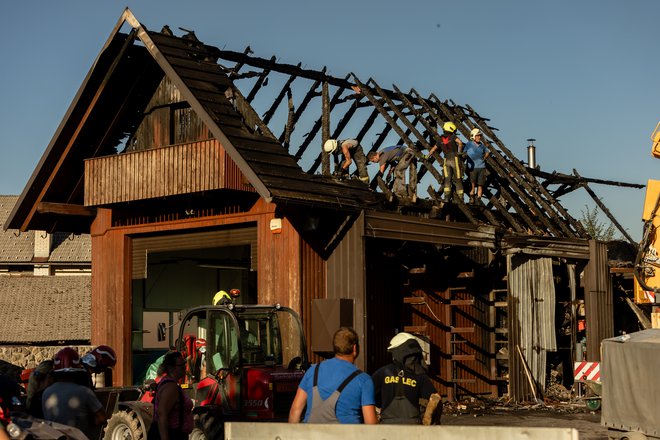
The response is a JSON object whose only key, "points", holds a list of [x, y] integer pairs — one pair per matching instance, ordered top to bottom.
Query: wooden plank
{"points": [[414, 299], [461, 302], [418, 329], [462, 329], [462, 357]]}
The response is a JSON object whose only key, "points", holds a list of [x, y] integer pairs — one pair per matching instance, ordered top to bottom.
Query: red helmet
{"points": [[100, 358], [66, 359]]}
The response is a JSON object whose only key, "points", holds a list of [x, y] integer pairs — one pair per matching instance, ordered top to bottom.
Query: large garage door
{"points": [[142, 246]]}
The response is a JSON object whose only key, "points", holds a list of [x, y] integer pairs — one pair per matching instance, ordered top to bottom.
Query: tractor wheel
{"points": [[124, 425], [207, 427]]}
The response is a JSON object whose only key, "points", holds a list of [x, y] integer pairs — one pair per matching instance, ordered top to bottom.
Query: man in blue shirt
{"points": [[476, 161], [335, 390]]}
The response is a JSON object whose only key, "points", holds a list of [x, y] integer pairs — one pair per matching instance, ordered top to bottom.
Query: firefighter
{"points": [[350, 149], [452, 167], [402, 388]]}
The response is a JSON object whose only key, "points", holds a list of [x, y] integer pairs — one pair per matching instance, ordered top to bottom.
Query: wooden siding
{"points": [[161, 172], [279, 264]]}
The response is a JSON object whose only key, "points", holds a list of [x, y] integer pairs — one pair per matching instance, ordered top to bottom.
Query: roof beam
{"points": [[66, 209]]}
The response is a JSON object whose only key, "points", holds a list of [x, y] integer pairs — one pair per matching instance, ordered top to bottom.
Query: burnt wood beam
{"points": [[242, 58], [239, 63], [263, 77], [305, 102], [273, 108], [248, 113], [402, 117], [390, 120], [290, 124], [367, 126], [427, 127], [325, 132], [311, 134], [499, 165], [560, 178], [528, 187], [564, 189], [544, 192], [66, 209], [607, 212], [513, 223]]}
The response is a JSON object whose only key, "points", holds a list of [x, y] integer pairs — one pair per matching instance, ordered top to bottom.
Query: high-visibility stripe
{"points": [[587, 371]]}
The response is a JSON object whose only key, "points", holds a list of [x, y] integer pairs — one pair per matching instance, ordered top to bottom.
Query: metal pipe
{"points": [[531, 154]]}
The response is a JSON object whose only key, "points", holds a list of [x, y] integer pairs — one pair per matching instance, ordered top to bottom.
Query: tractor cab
{"points": [[244, 361]]}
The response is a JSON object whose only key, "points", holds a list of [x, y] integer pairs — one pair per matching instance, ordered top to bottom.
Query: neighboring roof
{"points": [[15, 246], [18, 247], [45, 309]]}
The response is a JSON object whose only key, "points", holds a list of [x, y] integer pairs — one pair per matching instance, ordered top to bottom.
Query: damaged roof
{"points": [[272, 118]]}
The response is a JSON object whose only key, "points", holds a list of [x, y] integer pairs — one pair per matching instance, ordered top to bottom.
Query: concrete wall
{"points": [[251, 431]]}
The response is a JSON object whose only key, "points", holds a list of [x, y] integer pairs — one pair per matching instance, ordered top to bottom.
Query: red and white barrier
{"points": [[586, 371]]}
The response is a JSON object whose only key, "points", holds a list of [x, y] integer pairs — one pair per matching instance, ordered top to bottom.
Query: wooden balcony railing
{"points": [[161, 172]]}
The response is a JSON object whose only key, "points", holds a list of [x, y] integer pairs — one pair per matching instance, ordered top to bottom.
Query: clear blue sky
{"points": [[579, 76]]}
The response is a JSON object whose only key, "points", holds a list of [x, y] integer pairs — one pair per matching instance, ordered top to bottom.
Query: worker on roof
{"points": [[350, 149], [452, 150], [477, 153], [398, 158]]}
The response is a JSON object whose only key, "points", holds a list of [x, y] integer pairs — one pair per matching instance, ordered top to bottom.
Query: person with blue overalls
{"points": [[477, 153], [335, 390]]}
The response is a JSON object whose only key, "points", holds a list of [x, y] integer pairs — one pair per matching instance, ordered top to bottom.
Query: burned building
{"points": [[197, 169]]}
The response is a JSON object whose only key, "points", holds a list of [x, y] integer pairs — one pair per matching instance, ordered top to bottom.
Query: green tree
{"points": [[594, 227]]}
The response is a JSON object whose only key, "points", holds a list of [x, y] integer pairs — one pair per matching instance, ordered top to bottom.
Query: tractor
{"points": [[244, 363]]}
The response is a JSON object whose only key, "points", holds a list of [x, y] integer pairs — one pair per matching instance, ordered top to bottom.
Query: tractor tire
{"points": [[124, 425], [207, 427]]}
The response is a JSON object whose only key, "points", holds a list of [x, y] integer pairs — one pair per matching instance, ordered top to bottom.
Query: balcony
{"points": [[161, 172]]}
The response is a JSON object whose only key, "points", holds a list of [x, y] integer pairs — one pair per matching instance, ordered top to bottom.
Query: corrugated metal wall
{"points": [[345, 271], [313, 287], [598, 299], [531, 308]]}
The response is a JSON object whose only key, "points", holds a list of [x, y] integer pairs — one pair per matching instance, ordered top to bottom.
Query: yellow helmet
{"points": [[449, 127], [330, 145], [219, 296]]}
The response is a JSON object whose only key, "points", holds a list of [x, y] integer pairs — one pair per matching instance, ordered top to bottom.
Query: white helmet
{"points": [[474, 133], [330, 145], [399, 339]]}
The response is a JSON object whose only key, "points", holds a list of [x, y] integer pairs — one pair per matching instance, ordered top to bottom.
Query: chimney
{"points": [[531, 153], [42, 244]]}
